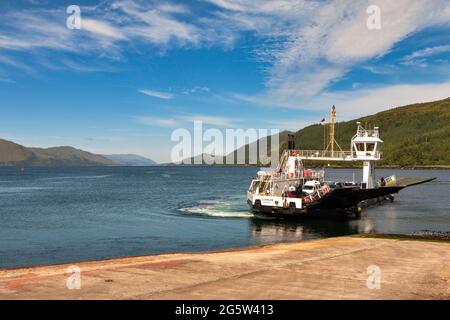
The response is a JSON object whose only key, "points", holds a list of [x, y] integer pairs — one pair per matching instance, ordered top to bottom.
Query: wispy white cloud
{"points": [[120, 20], [155, 24], [102, 28], [106, 29], [30, 30], [36, 32], [315, 43], [306, 45], [427, 52], [419, 58], [13, 62], [418, 63], [80, 66], [381, 70], [6, 80], [196, 89], [156, 94], [167, 95], [360, 101], [367, 101], [185, 120], [212, 120], [155, 121]]}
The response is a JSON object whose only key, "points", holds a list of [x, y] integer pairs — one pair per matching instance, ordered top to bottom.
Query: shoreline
{"points": [[421, 167], [444, 238], [332, 268]]}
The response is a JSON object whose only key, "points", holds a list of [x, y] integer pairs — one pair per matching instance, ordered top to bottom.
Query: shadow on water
{"points": [[271, 230]]}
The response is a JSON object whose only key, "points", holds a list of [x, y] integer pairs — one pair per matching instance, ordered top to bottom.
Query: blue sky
{"points": [[137, 70]]}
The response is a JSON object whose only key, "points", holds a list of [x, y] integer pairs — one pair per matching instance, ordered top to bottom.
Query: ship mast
{"points": [[332, 141]]}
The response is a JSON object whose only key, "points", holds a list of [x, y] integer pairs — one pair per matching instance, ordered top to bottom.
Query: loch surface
{"points": [[59, 215]]}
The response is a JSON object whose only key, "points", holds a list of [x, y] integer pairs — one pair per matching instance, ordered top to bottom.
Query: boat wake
{"points": [[78, 177], [21, 189], [219, 209]]}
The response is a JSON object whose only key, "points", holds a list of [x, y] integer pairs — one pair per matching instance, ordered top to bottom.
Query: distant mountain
{"points": [[413, 135], [283, 141], [14, 154], [228, 159], [130, 160], [200, 160]]}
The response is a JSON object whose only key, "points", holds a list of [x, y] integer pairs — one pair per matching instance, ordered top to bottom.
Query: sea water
{"points": [[67, 214]]}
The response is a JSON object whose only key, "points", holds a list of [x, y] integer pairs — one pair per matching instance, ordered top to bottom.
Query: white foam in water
{"points": [[78, 177], [20, 189], [217, 208]]}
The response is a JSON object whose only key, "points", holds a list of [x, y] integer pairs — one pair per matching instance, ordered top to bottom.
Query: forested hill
{"points": [[413, 135]]}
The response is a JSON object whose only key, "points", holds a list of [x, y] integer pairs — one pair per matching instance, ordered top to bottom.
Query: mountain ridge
{"points": [[415, 135], [12, 153], [130, 159]]}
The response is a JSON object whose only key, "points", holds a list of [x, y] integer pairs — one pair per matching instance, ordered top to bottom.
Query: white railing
{"points": [[362, 133], [311, 154], [334, 155]]}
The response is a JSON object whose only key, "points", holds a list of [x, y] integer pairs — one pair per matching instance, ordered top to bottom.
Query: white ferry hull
{"points": [[274, 204]]}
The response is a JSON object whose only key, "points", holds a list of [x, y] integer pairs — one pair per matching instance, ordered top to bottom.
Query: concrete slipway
{"points": [[334, 268]]}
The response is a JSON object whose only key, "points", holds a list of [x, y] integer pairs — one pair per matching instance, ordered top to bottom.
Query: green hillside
{"points": [[413, 135]]}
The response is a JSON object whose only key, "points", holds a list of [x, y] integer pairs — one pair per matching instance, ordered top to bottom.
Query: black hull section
{"points": [[347, 198], [342, 202]]}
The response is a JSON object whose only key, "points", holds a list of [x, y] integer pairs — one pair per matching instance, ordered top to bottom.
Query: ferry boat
{"points": [[291, 189]]}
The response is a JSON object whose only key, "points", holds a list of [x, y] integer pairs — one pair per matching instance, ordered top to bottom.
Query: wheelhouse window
{"points": [[359, 146]]}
